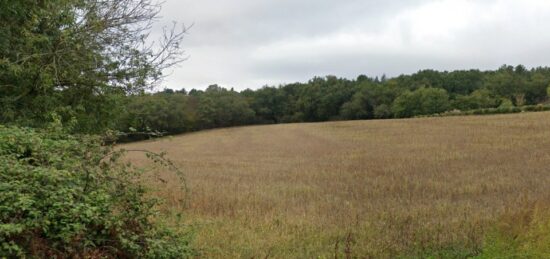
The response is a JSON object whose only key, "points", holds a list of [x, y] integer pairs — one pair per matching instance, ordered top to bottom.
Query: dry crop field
{"points": [[357, 188]]}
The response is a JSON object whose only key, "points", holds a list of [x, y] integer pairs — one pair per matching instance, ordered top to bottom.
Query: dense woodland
{"points": [[330, 98]]}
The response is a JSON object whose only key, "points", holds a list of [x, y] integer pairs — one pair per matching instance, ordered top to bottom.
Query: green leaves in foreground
{"points": [[67, 196]]}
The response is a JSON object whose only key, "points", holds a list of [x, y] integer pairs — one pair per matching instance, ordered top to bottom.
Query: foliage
{"points": [[74, 57], [88, 61], [427, 92], [479, 99], [421, 102], [269, 103], [505, 104], [218, 107], [359, 107], [382, 111], [489, 111], [162, 112], [173, 112], [68, 196]]}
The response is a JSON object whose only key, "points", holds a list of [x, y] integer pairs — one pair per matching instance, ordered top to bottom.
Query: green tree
{"points": [[69, 56], [463, 82], [508, 82], [481, 98], [421, 102], [505, 103], [269, 104], [219, 107], [359, 107], [382, 111], [161, 112]]}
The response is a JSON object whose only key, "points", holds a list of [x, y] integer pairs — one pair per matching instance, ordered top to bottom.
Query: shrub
{"points": [[506, 103], [530, 108], [535, 108], [501, 110], [68, 196]]}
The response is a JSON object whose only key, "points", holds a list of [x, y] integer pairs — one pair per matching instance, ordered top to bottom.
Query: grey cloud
{"points": [[249, 43]]}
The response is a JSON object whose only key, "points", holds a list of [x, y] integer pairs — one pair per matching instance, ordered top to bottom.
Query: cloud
{"points": [[247, 43]]}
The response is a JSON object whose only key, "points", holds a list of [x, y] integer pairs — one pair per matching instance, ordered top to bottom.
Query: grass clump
{"points": [[69, 196], [525, 234]]}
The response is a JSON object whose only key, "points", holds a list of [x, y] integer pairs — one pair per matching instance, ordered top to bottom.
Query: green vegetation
{"points": [[77, 58], [74, 71], [427, 92], [421, 101], [64, 194], [69, 196], [521, 235]]}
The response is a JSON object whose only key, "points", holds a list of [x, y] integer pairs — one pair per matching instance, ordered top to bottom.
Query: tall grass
{"points": [[413, 188], [523, 233]]}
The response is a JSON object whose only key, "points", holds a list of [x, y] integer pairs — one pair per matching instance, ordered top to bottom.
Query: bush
{"points": [[506, 103], [535, 108], [501, 110], [68, 196]]}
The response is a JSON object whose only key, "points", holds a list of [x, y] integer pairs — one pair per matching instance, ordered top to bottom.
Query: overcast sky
{"points": [[251, 43]]}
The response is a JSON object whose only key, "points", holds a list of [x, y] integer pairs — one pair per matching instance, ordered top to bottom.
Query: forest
{"points": [[331, 98]]}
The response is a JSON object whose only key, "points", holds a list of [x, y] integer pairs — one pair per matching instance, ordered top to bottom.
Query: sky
{"points": [[252, 43]]}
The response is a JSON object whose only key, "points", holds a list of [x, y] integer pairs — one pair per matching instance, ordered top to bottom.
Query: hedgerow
{"points": [[491, 111], [70, 196]]}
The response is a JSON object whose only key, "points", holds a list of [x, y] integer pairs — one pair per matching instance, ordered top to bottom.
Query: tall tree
{"points": [[69, 56], [421, 102]]}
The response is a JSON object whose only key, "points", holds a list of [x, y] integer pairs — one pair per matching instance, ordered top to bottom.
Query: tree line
{"points": [[331, 98]]}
